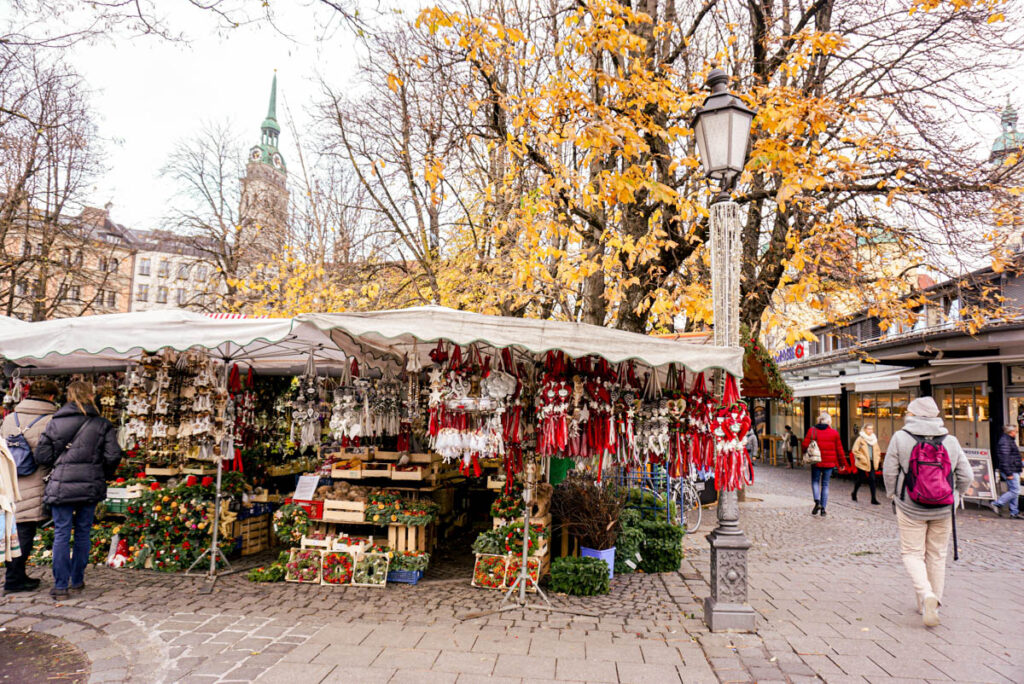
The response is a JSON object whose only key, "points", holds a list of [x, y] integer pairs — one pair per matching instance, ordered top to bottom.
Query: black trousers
{"points": [[862, 476], [15, 574]]}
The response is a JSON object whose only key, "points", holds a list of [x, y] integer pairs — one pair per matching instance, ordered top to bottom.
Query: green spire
{"points": [[271, 121]]}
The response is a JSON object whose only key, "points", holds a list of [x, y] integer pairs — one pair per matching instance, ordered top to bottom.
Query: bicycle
{"points": [[686, 494]]}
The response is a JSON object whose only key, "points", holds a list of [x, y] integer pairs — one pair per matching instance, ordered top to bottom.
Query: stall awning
{"points": [[414, 330], [380, 338], [876, 382], [817, 388]]}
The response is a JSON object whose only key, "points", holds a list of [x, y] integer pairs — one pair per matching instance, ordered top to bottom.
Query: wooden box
{"points": [[376, 469], [198, 470], [163, 472], [346, 473], [417, 473], [344, 511], [255, 533], [411, 537], [310, 543], [490, 571], [311, 579]]}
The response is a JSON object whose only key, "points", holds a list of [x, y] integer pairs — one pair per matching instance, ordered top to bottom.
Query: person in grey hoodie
{"points": [[924, 532]]}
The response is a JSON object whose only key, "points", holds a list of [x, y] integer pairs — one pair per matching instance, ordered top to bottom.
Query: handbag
{"points": [[813, 453]]}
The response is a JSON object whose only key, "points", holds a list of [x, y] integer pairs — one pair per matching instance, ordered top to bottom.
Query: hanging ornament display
{"points": [[700, 405], [306, 408], [733, 466]]}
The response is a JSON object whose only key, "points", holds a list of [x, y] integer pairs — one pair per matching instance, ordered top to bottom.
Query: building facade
{"points": [[170, 273]]}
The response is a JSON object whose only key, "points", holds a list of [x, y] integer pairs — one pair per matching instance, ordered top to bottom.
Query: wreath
{"points": [[508, 505], [291, 523], [514, 538], [304, 566], [337, 567], [372, 568], [490, 572]]}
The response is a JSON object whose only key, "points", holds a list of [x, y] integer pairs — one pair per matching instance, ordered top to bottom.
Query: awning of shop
{"points": [[380, 338], [876, 382], [817, 388]]}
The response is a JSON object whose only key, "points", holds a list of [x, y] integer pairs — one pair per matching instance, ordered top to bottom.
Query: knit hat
{"points": [[923, 407], [825, 419]]}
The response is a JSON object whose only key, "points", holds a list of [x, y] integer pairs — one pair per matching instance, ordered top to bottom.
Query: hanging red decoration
{"points": [[733, 467]]}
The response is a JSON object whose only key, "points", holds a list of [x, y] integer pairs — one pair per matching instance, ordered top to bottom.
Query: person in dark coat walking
{"points": [[29, 419], [81, 447], [831, 447], [1008, 462]]}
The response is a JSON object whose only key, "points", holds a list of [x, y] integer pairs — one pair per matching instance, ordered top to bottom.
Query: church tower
{"points": [[264, 204]]}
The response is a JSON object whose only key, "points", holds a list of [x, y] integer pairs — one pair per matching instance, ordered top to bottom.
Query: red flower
{"points": [[140, 474], [119, 480], [191, 480], [207, 481], [154, 486], [186, 545]]}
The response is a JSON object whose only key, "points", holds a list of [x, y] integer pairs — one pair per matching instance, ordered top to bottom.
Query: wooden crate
{"points": [[388, 456], [377, 469], [198, 470], [163, 472], [346, 473], [417, 473], [495, 483], [344, 511], [544, 522], [255, 533], [411, 537], [310, 543], [316, 580]]}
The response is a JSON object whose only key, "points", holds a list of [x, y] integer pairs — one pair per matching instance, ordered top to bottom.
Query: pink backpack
{"points": [[929, 475]]}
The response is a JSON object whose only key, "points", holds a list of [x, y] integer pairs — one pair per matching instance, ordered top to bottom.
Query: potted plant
{"points": [[590, 512]]}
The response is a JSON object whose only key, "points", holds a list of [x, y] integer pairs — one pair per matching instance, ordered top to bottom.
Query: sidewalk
{"points": [[834, 602]]}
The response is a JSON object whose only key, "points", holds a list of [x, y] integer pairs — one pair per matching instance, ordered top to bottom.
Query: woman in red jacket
{"points": [[831, 453]]}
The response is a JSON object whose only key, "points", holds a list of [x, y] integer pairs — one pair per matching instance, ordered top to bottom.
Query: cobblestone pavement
{"points": [[833, 600]]}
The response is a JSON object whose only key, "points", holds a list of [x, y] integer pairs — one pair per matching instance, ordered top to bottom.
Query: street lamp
{"points": [[722, 129]]}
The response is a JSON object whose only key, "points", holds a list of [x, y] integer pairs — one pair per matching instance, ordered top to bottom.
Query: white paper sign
{"points": [[306, 487]]}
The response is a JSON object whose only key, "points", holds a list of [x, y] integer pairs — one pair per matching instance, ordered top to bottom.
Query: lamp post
{"points": [[722, 128]]}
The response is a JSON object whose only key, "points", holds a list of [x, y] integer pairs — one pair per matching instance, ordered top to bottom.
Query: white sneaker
{"points": [[931, 610]]}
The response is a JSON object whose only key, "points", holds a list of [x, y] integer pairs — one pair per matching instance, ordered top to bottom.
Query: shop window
{"points": [[161, 295], [965, 412]]}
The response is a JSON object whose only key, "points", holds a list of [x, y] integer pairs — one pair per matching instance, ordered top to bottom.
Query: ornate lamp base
{"points": [[726, 609]]}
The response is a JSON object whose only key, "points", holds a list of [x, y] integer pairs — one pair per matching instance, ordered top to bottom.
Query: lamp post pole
{"points": [[722, 129]]}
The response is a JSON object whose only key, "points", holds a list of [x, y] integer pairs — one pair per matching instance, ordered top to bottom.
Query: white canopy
{"points": [[417, 329], [381, 338], [114, 340]]}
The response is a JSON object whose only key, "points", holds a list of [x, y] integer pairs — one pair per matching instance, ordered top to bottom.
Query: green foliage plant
{"points": [[580, 576]]}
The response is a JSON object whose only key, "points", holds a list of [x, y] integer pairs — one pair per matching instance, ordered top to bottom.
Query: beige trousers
{"points": [[923, 544]]}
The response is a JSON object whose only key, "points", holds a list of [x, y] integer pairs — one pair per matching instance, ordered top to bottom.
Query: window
{"points": [[26, 249], [65, 256], [79, 257], [103, 264], [112, 265], [144, 266], [163, 269], [182, 271], [202, 272], [22, 288], [75, 293], [142, 293], [161, 295], [179, 296], [111, 298], [884, 410], [965, 413]]}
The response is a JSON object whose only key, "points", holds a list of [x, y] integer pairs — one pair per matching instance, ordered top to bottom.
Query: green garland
{"points": [[771, 369], [410, 560], [372, 568]]}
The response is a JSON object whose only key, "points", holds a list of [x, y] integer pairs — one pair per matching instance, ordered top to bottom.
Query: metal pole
{"points": [[726, 609]]}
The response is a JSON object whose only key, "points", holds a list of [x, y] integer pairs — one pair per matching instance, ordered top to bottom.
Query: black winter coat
{"points": [[1008, 459], [80, 469]]}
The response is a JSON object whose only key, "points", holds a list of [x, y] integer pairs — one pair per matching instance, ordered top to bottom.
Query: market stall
{"points": [[379, 412]]}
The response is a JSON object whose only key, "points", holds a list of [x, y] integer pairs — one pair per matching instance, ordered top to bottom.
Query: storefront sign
{"points": [[794, 352], [983, 486]]}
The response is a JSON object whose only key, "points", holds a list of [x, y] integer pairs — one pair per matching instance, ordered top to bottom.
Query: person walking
{"points": [[29, 419], [790, 443], [81, 447], [831, 449], [867, 458], [1008, 462], [924, 530]]}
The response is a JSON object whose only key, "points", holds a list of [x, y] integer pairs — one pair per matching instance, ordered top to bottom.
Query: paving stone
{"points": [[347, 654], [406, 658], [465, 663], [571, 669], [297, 672], [644, 673], [362, 675], [424, 677]]}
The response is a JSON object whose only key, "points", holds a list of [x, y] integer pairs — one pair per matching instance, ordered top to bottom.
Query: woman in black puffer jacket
{"points": [[81, 447]]}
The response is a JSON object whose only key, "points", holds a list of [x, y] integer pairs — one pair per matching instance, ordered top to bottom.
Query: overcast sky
{"points": [[149, 93]]}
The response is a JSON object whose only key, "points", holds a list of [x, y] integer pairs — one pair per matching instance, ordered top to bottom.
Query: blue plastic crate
{"points": [[405, 576]]}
